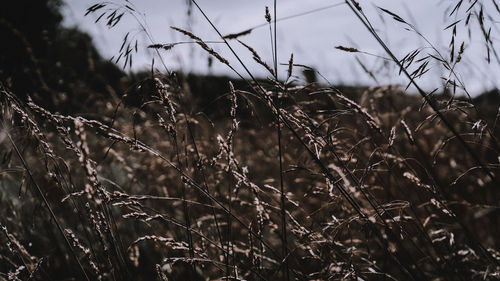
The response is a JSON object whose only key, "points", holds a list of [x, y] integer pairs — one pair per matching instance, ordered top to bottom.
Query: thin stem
{"points": [[275, 44], [282, 188], [39, 191]]}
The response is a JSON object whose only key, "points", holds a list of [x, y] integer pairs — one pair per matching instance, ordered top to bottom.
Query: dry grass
{"points": [[297, 182]]}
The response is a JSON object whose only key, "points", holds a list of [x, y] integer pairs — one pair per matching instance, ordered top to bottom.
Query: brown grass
{"points": [[297, 182]]}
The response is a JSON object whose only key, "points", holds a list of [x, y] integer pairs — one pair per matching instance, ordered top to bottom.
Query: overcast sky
{"points": [[311, 38]]}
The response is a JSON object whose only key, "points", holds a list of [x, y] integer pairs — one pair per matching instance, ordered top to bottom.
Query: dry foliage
{"points": [[297, 182]]}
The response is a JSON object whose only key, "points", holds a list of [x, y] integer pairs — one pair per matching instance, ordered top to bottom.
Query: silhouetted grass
{"points": [[268, 180]]}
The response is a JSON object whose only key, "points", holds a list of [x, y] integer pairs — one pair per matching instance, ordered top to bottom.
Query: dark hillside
{"points": [[58, 67]]}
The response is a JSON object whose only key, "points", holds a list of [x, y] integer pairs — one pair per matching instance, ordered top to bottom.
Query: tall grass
{"points": [[296, 182]]}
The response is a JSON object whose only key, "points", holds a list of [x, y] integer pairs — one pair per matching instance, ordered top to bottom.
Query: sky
{"points": [[310, 37]]}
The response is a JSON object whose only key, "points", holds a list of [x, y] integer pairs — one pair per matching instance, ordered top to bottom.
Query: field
{"points": [[207, 178]]}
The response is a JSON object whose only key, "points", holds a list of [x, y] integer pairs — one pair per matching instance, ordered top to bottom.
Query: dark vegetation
{"points": [[57, 67], [172, 176]]}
